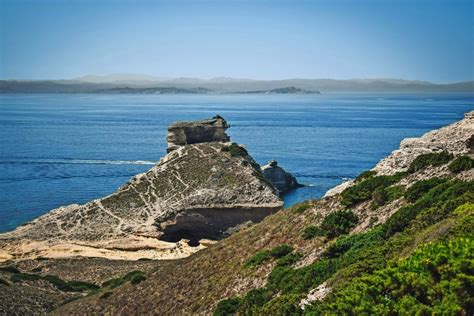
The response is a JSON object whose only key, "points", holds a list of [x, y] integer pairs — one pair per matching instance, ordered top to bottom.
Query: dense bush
{"points": [[235, 150], [431, 159], [461, 163], [419, 188], [363, 191], [382, 196], [444, 197], [338, 223], [311, 232], [353, 242], [280, 251], [264, 255], [289, 259], [10, 269], [137, 279], [435, 279], [113, 283], [66, 286], [253, 301], [284, 305], [227, 307]]}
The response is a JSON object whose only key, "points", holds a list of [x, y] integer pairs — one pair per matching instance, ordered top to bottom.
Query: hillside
{"points": [[139, 84], [397, 239], [409, 248]]}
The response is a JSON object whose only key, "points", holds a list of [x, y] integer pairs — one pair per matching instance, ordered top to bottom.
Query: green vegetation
{"points": [[235, 150], [431, 159], [461, 163], [365, 175], [421, 187], [364, 190], [382, 196], [300, 208], [338, 223], [334, 224], [312, 231], [280, 251], [264, 255], [289, 260], [419, 261], [10, 269], [133, 276], [137, 279], [435, 279], [66, 286], [227, 307]]}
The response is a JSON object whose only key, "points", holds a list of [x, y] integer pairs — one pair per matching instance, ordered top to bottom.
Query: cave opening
{"points": [[213, 224]]}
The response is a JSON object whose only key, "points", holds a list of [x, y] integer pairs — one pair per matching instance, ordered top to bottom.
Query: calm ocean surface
{"points": [[63, 149]]}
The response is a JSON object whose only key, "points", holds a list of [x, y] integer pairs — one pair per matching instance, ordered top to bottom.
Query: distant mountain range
{"points": [[143, 84]]}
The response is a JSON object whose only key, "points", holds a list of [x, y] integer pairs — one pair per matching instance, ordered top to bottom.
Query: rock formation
{"points": [[205, 131], [280, 179], [200, 189]]}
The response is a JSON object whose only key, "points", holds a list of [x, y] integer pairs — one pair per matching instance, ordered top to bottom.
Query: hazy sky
{"points": [[426, 40]]}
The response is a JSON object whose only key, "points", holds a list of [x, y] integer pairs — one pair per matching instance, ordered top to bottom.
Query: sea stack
{"points": [[194, 132]]}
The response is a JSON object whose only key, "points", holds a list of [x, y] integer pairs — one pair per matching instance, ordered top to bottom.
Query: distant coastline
{"points": [[147, 85]]}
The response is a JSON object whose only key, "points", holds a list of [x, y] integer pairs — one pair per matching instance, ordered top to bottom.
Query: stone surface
{"points": [[183, 133], [214, 176], [280, 179]]}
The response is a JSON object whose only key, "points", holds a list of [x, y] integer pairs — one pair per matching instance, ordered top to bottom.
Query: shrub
{"points": [[235, 150], [431, 159], [461, 163], [365, 175], [362, 191], [414, 192], [300, 208], [338, 223], [311, 232], [352, 242], [280, 251], [258, 258], [289, 259], [10, 269], [129, 276], [19, 277], [137, 279], [432, 280], [113, 283], [253, 301], [283, 305], [227, 307]]}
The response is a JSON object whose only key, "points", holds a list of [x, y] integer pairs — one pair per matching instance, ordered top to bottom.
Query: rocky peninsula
{"points": [[204, 188]]}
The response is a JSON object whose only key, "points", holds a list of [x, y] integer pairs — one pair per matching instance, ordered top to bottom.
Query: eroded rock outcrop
{"points": [[193, 132], [280, 179], [211, 185]]}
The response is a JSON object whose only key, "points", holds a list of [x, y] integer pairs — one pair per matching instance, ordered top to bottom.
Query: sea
{"points": [[60, 149]]}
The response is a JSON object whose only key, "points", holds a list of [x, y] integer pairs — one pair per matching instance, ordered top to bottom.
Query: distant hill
{"points": [[100, 84], [288, 90]]}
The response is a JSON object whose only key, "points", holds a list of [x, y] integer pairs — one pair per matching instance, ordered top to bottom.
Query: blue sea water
{"points": [[61, 149]]}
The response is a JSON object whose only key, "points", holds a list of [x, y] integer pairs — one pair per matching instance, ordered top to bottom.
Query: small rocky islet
{"points": [[381, 243]]}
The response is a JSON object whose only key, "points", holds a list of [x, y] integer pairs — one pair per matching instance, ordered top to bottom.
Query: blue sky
{"points": [[424, 40]]}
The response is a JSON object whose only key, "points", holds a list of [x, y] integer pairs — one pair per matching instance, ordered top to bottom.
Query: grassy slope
{"points": [[196, 284]]}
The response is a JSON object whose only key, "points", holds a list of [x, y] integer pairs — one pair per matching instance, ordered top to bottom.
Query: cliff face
{"points": [[205, 131], [197, 191]]}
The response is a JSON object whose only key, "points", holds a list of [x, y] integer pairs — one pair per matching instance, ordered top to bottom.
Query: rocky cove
{"points": [[205, 188]]}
